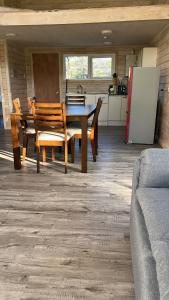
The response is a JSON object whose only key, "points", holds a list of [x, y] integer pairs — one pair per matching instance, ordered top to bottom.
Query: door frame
{"points": [[44, 51]]}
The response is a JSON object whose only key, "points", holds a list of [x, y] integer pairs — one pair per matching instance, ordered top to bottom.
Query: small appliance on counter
{"points": [[118, 88], [122, 89], [111, 90]]}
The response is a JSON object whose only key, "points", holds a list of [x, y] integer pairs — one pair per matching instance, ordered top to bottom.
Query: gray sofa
{"points": [[149, 225]]}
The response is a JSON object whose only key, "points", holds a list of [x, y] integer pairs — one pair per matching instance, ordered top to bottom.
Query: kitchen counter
{"points": [[93, 93], [117, 95], [113, 110]]}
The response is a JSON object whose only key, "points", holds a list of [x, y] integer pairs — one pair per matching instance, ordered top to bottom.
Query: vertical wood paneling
{"points": [[12, 3], [75, 4], [162, 42], [17, 70], [4, 84], [100, 86]]}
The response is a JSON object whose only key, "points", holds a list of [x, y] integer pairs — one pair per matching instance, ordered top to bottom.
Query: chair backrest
{"points": [[78, 100], [30, 101], [17, 105], [18, 110], [96, 114], [49, 117]]}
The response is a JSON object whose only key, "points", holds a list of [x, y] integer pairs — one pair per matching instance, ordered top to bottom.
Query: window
{"points": [[76, 67], [79, 67], [101, 67]]}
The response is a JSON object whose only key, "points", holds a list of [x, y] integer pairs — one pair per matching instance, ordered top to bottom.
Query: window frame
{"points": [[64, 65], [90, 68]]}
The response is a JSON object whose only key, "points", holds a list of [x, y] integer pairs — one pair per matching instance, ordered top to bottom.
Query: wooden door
{"points": [[46, 77]]}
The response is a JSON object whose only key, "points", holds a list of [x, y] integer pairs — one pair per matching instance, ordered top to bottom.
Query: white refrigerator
{"points": [[143, 87]]}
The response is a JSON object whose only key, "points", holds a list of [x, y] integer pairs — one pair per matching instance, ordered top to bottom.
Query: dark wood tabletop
{"points": [[80, 110]]}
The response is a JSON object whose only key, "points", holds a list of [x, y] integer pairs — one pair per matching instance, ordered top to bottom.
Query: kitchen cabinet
{"points": [[147, 57], [90, 99], [114, 108], [117, 110], [123, 113], [103, 115]]}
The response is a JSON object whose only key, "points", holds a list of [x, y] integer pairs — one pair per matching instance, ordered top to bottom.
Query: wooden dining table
{"points": [[79, 113]]}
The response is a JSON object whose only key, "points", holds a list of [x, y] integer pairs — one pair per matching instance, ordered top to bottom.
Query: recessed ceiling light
{"points": [[106, 32], [10, 34], [107, 43]]}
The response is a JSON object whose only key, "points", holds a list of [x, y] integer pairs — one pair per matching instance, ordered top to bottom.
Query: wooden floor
{"points": [[67, 236]]}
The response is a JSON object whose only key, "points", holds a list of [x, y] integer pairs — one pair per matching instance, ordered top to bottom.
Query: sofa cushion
{"points": [[154, 169], [154, 203]]}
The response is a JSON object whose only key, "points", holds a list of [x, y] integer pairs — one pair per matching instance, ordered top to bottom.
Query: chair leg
{"points": [[96, 138], [25, 145], [35, 145], [72, 145], [93, 150], [53, 153], [44, 154], [66, 156], [38, 159]]}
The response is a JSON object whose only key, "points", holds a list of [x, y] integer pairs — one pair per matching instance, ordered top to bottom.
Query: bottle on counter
{"points": [[116, 83]]}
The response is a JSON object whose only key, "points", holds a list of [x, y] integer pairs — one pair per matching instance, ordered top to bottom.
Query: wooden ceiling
{"points": [[75, 4]]}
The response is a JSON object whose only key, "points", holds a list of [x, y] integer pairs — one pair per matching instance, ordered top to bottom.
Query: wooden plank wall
{"points": [[12, 3], [74, 4], [162, 41], [17, 73], [5, 84], [89, 85]]}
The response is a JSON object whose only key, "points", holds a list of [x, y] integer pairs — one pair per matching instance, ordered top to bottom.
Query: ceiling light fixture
{"points": [[106, 32], [10, 34], [107, 43]]}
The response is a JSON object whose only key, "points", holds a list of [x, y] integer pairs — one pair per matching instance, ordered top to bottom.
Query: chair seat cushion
{"points": [[30, 130], [78, 131], [53, 136]]}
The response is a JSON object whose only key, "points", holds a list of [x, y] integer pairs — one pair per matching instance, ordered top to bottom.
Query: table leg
{"points": [[84, 126], [15, 142]]}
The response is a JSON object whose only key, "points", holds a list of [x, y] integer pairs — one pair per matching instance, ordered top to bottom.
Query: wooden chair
{"points": [[75, 100], [78, 100], [30, 101], [17, 106], [50, 126], [27, 131], [92, 131]]}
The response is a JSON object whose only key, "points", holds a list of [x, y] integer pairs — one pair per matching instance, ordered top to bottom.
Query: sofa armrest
{"points": [[153, 169]]}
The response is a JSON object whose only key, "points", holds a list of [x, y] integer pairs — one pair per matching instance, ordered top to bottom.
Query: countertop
{"points": [[92, 93]]}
